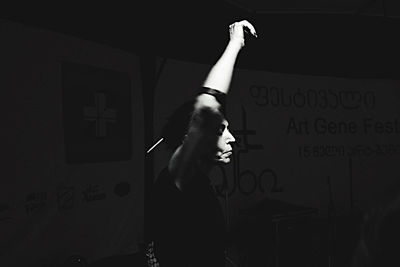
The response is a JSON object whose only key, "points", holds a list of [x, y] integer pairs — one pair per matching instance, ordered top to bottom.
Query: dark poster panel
{"points": [[96, 114]]}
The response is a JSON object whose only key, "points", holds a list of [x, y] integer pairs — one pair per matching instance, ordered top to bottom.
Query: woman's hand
{"points": [[237, 30]]}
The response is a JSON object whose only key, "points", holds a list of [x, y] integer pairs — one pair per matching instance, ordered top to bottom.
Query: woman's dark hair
{"points": [[176, 127], [380, 233]]}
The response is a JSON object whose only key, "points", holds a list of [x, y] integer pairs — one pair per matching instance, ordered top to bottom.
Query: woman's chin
{"points": [[223, 160]]}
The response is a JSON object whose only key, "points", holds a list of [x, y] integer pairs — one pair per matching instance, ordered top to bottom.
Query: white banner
{"points": [[77, 132], [304, 140]]}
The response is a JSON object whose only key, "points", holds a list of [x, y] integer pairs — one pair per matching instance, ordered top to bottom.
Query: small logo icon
{"points": [[65, 198]]}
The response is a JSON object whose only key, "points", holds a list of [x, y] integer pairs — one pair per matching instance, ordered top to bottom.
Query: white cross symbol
{"points": [[100, 114]]}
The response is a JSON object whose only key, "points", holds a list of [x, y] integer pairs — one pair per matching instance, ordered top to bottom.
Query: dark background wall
{"points": [[349, 42]]}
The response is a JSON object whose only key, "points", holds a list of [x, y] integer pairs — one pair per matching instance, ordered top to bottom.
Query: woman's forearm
{"points": [[220, 75]]}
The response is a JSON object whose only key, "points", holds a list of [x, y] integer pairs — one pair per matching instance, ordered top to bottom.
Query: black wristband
{"points": [[220, 96]]}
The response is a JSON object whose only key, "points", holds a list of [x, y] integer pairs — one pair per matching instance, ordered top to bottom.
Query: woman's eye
{"points": [[221, 130]]}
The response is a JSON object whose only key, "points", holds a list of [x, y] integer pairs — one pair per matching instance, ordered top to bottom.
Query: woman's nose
{"points": [[231, 138]]}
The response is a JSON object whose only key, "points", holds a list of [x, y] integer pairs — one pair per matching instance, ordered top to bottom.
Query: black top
{"points": [[188, 227]]}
